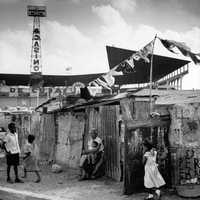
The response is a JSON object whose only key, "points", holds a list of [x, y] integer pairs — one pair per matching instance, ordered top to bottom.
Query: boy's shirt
{"points": [[11, 143]]}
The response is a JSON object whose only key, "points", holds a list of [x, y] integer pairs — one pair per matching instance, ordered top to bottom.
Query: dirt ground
{"points": [[65, 185]]}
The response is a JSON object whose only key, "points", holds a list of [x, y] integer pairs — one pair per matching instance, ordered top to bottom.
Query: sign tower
{"points": [[36, 66]]}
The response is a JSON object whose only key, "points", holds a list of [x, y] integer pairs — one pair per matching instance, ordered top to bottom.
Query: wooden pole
{"points": [[151, 72], [38, 96]]}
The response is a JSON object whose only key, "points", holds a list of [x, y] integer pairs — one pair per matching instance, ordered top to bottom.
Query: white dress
{"points": [[152, 177]]}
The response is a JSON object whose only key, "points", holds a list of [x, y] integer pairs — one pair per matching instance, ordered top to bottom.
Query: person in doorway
{"points": [[95, 146], [12, 149], [31, 158], [153, 180]]}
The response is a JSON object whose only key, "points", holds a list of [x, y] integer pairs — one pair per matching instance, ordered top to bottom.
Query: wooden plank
{"points": [[133, 124]]}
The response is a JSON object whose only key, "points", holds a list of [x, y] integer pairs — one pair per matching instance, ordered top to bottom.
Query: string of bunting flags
{"points": [[182, 47], [127, 66]]}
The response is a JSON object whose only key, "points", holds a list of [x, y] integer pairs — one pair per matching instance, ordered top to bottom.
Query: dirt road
{"points": [[65, 186]]}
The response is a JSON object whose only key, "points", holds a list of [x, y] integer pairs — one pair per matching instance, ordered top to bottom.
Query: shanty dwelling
{"points": [[109, 115], [26, 121], [123, 122], [181, 138]]}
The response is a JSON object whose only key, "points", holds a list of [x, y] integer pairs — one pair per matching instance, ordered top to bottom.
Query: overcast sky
{"points": [[75, 32]]}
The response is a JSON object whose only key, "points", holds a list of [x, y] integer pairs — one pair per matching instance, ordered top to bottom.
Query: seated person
{"points": [[96, 149]]}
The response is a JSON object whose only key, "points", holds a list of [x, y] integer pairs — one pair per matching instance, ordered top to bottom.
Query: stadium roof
{"points": [[161, 67]]}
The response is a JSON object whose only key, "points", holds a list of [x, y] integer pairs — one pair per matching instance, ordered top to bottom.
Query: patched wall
{"points": [[185, 125], [184, 140], [69, 143]]}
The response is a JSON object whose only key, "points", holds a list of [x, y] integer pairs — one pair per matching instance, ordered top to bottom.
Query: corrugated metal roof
{"points": [[171, 96], [163, 97], [98, 102]]}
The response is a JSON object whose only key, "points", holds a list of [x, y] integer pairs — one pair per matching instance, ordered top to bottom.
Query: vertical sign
{"points": [[36, 52]]}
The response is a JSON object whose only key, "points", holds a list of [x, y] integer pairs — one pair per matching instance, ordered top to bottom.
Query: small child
{"points": [[31, 156], [92, 156]]}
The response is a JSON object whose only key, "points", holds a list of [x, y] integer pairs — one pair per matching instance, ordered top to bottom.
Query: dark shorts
{"points": [[12, 159]]}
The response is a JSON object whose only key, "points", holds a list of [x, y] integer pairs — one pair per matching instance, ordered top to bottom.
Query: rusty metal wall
{"points": [[92, 120], [23, 123], [110, 135], [47, 137]]}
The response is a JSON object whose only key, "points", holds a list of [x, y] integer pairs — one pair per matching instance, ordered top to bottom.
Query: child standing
{"points": [[31, 156], [152, 178]]}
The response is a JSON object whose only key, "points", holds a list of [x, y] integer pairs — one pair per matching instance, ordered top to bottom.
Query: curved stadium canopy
{"points": [[161, 67]]}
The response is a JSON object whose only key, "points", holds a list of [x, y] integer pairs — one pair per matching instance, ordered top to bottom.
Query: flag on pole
{"points": [[167, 44], [182, 47], [144, 52]]}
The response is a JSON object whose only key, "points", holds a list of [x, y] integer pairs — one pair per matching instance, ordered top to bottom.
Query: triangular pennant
{"points": [[182, 47], [144, 52], [130, 62], [125, 68], [110, 80]]}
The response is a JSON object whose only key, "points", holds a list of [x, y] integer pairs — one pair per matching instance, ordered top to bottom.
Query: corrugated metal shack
{"points": [[27, 121], [124, 121], [182, 138]]}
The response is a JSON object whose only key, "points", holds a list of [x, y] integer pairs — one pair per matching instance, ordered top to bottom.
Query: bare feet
{"points": [[37, 181]]}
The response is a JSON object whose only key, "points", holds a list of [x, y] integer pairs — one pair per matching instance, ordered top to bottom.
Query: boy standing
{"points": [[12, 152]]}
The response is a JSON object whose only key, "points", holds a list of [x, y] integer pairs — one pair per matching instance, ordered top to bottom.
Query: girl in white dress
{"points": [[152, 178]]}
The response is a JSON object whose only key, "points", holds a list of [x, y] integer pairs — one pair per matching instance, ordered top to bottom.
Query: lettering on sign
{"points": [[35, 63], [15, 91]]}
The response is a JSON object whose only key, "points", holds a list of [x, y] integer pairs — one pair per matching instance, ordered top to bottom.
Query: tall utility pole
{"points": [[36, 65]]}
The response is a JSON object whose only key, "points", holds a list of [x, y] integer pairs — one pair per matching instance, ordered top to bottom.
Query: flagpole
{"points": [[151, 74], [38, 96]]}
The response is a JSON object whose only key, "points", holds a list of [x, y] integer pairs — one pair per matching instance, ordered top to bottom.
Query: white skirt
{"points": [[152, 177]]}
